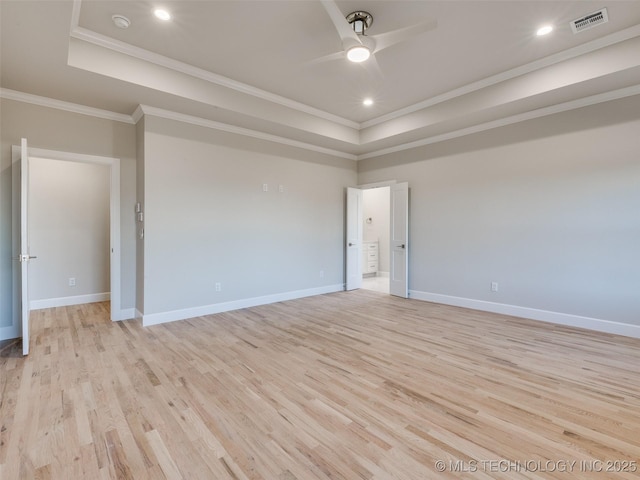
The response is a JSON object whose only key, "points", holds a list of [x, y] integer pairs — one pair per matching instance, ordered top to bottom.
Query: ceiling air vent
{"points": [[589, 21]]}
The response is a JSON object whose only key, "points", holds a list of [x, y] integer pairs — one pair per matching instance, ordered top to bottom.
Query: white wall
{"points": [[53, 129], [376, 205], [547, 208], [208, 220], [68, 231]]}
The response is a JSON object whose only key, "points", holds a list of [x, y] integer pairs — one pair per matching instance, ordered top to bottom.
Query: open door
{"points": [[399, 222], [353, 249], [23, 254]]}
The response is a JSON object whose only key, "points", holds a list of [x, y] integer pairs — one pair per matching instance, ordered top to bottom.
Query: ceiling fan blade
{"points": [[347, 35], [384, 40], [326, 58], [373, 67]]}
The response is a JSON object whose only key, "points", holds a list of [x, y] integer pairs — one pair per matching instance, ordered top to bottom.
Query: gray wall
{"points": [[68, 132], [547, 208], [208, 220], [68, 228]]}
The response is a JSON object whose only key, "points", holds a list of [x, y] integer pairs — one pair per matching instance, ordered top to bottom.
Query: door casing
{"points": [[117, 312]]}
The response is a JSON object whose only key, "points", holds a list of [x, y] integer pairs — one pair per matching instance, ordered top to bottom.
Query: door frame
{"points": [[386, 183], [117, 313]]}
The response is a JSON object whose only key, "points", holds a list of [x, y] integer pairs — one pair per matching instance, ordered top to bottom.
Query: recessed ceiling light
{"points": [[162, 14], [547, 29], [358, 54], [367, 102]]}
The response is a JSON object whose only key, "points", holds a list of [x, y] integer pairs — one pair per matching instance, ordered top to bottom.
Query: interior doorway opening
{"points": [[20, 181], [376, 204], [69, 229], [357, 260]]}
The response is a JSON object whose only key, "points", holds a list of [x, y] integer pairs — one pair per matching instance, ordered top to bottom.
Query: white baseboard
{"points": [[65, 301], [163, 317], [596, 324]]}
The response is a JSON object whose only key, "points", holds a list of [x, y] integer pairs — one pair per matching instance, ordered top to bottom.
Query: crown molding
{"points": [[104, 41], [114, 45], [140, 53], [559, 57], [65, 106], [142, 110], [137, 114], [521, 117], [224, 127]]}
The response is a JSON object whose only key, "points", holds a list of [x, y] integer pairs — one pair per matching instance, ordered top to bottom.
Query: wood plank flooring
{"points": [[357, 385]]}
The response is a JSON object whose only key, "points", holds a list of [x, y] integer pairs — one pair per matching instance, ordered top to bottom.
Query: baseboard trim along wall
{"points": [[66, 301], [164, 317], [588, 323]]}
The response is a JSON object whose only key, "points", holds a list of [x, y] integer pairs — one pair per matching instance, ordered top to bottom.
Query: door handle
{"points": [[351, 244], [401, 246]]}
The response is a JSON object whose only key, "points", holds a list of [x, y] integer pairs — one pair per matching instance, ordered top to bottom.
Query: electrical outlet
{"points": [[265, 187], [72, 281], [494, 286], [218, 287]]}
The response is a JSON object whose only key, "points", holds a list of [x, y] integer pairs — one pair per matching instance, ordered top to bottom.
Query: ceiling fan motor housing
{"points": [[360, 21]]}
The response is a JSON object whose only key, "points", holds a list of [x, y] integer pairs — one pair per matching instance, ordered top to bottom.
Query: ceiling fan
{"points": [[358, 46]]}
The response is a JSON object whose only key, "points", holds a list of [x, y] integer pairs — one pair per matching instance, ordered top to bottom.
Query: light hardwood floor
{"points": [[357, 385]]}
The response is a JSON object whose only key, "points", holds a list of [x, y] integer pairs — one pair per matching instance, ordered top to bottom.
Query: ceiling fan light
{"points": [[358, 53]]}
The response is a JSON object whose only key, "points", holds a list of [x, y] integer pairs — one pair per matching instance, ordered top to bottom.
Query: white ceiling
{"points": [[252, 65]]}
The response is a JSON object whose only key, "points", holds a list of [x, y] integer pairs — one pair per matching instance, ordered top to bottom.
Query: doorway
{"points": [[20, 187], [376, 204], [68, 222], [398, 233]]}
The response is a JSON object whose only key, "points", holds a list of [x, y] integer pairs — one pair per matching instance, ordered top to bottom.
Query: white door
{"points": [[399, 233], [353, 248], [24, 255]]}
